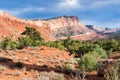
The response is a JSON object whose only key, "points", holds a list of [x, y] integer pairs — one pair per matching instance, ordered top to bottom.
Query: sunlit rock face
{"points": [[11, 26], [63, 26], [51, 29]]}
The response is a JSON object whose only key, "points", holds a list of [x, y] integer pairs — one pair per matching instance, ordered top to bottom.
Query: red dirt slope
{"points": [[13, 28]]}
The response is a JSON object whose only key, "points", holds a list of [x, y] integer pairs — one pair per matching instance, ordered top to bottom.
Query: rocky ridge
{"points": [[65, 26], [13, 27], [50, 29]]}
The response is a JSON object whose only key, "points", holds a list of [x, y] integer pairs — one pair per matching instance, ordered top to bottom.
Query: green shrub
{"points": [[32, 33], [31, 38], [24, 42], [8, 43], [56, 44], [109, 44], [93, 48], [99, 51], [87, 62], [113, 73]]}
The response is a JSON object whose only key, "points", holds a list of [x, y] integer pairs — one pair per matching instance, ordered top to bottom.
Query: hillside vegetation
{"points": [[89, 53]]}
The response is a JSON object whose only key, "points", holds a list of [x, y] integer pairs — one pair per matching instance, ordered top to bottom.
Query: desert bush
{"points": [[33, 34], [31, 38], [24, 42], [8, 43], [56, 44], [109, 44], [72, 45], [93, 48], [102, 48], [87, 63], [19, 64], [70, 67], [113, 73], [76, 75]]}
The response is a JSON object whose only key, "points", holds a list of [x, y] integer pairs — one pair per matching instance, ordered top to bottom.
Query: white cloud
{"points": [[102, 3], [68, 4], [83, 4], [65, 6], [26, 9], [39, 9], [19, 11], [114, 24]]}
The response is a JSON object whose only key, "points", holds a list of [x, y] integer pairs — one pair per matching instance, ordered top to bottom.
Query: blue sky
{"points": [[102, 13]]}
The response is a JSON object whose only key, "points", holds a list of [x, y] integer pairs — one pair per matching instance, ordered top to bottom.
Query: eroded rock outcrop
{"points": [[63, 26], [13, 27], [50, 29]]}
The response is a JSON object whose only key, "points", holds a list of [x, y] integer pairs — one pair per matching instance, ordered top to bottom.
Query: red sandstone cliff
{"points": [[65, 26], [13, 27], [50, 29]]}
